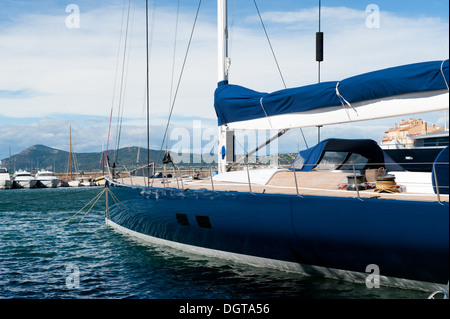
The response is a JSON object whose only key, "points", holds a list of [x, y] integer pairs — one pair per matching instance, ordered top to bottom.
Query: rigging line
{"points": [[270, 44], [174, 52], [275, 58], [173, 59], [122, 73], [125, 75], [179, 81], [115, 83], [147, 86], [121, 92], [304, 139], [243, 148], [75, 160]]}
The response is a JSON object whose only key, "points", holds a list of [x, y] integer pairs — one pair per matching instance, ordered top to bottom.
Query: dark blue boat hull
{"points": [[405, 239]]}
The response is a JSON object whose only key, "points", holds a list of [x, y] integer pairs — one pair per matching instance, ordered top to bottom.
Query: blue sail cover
{"points": [[235, 103], [370, 155]]}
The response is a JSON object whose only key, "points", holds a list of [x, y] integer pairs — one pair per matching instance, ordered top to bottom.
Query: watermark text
{"points": [[373, 17], [73, 19]]}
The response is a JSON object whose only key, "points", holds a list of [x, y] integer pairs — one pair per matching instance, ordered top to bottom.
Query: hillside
{"points": [[44, 157]]}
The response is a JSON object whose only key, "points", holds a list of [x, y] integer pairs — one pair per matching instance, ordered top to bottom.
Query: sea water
{"points": [[45, 256]]}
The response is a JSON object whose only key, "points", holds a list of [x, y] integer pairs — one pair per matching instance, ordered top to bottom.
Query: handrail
{"points": [[351, 168], [248, 176], [212, 182], [296, 184], [436, 184], [356, 186]]}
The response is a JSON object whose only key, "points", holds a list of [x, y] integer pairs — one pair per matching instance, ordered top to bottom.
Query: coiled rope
{"points": [[386, 186]]}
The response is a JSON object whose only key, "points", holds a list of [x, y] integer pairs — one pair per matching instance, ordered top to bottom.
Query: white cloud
{"points": [[350, 47], [70, 72]]}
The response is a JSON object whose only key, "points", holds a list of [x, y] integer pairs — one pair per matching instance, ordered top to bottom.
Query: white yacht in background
{"points": [[23, 179], [46, 179], [5, 180], [74, 183]]}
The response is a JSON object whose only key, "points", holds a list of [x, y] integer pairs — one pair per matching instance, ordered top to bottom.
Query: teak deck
{"points": [[283, 182]]}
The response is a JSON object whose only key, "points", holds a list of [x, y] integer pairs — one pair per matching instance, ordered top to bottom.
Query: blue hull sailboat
{"points": [[304, 218]]}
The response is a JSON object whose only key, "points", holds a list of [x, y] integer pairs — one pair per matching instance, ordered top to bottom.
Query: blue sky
{"points": [[53, 75]]}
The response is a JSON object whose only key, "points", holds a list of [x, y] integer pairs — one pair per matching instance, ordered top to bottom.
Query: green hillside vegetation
{"points": [[44, 157]]}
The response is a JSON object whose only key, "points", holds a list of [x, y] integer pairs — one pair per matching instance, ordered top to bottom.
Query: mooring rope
{"points": [[96, 198], [116, 200]]}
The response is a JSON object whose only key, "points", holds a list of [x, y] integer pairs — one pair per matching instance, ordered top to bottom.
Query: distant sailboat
{"points": [[71, 182]]}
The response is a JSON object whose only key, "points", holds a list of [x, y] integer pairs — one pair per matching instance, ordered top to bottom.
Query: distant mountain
{"points": [[37, 156], [43, 157]]}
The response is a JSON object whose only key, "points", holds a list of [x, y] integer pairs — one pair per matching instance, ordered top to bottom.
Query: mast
{"points": [[222, 36], [319, 46], [147, 91], [225, 136], [226, 141], [70, 150]]}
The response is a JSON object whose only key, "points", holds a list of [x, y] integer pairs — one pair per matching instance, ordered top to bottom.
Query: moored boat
{"points": [[420, 155], [23, 179], [46, 179], [5, 180], [100, 181], [74, 183], [305, 219]]}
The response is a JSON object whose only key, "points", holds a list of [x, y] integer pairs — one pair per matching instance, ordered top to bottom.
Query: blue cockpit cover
{"points": [[235, 103], [307, 159], [440, 169]]}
